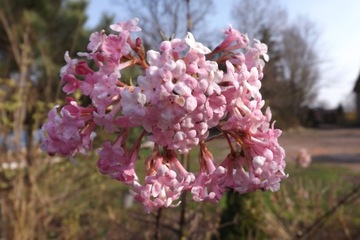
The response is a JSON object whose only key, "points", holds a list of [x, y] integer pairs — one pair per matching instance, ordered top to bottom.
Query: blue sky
{"points": [[339, 44]]}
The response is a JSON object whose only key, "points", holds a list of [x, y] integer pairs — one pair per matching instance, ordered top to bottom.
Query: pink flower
{"points": [[130, 25], [234, 40], [95, 41], [116, 46], [196, 46], [262, 48], [69, 68], [81, 68], [70, 71], [71, 84], [104, 91], [178, 97], [133, 102], [70, 132], [111, 157], [303, 158], [263, 159], [115, 162], [119, 163], [164, 183], [208, 183], [208, 187], [160, 190]]}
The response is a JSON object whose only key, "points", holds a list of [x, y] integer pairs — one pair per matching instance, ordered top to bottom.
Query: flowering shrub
{"points": [[181, 94], [303, 159]]}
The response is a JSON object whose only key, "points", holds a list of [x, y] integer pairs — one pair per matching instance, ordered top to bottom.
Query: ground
{"points": [[328, 145]]}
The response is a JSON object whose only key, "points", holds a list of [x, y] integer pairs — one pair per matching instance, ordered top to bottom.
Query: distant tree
{"points": [[253, 16], [170, 17], [34, 36], [300, 61], [291, 77], [274, 87]]}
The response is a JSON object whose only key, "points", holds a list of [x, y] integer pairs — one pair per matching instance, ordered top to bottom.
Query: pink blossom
{"points": [[130, 25], [234, 40], [95, 41], [115, 46], [196, 46], [262, 48], [69, 68], [81, 68], [71, 84], [104, 91], [179, 96], [133, 101], [69, 132], [110, 158], [303, 158], [116, 161], [164, 182], [208, 183], [160, 190]]}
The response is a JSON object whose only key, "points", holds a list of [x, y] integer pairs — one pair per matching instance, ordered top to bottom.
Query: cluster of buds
{"points": [[180, 96]]}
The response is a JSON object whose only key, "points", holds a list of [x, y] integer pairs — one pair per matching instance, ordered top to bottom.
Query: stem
{"points": [[188, 17], [215, 51], [220, 135], [229, 142], [206, 158], [180, 167], [183, 205], [182, 215], [157, 225]]}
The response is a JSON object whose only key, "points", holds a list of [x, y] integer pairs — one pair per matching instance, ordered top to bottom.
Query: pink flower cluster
{"points": [[185, 90]]}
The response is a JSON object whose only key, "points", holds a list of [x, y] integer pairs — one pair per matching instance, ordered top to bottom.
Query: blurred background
{"points": [[311, 84]]}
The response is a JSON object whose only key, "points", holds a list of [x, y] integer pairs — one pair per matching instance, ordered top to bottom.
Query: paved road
{"points": [[324, 145]]}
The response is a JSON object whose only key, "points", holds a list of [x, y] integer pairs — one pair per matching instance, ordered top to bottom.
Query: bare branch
{"points": [[170, 17], [12, 37]]}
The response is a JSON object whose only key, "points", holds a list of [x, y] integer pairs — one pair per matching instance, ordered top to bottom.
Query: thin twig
{"points": [[218, 136], [185, 161], [351, 196], [182, 216], [138, 217], [157, 225]]}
